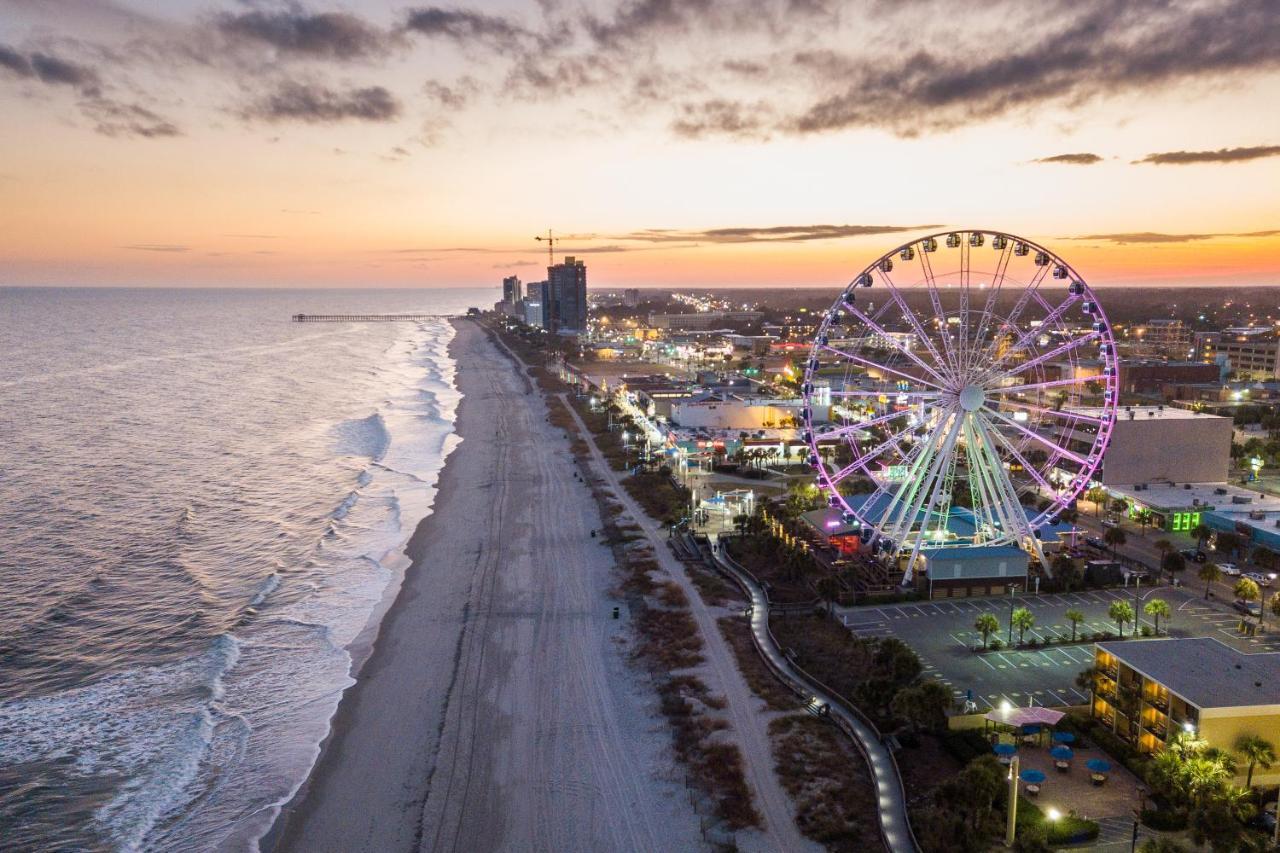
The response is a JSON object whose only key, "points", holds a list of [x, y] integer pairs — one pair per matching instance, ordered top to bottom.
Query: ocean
{"points": [[203, 505]]}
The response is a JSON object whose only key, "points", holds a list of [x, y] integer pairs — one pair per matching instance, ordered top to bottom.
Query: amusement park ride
{"points": [[956, 366]]}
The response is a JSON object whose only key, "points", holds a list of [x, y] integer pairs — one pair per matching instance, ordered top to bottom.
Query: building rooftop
{"points": [[1150, 413], [1220, 496], [1205, 672]]}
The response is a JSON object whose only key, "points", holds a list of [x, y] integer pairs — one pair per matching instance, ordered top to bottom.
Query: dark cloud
{"points": [[464, 25], [328, 35], [1103, 48], [49, 69], [316, 104], [722, 118], [1222, 155], [1071, 159], [770, 234], [1154, 237], [158, 247], [514, 265]]}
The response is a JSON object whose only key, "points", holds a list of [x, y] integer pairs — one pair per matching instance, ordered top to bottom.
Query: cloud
{"points": [[464, 26], [326, 35], [1103, 49], [49, 69], [452, 97], [317, 104], [112, 118], [722, 118], [1222, 155], [1084, 159], [770, 234], [1155, 237], [158, 247], [514, 265]]}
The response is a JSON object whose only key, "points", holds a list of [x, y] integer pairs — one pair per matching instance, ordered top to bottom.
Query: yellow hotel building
{"points": [[1145, 690]]}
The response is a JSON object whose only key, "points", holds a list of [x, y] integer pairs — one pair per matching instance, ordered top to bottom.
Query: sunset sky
{"points": [[673, 142]]}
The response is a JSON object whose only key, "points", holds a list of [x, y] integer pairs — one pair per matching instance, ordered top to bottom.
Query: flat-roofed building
{"points": [[1249, 351], [1160, 444], [1146, 690]]}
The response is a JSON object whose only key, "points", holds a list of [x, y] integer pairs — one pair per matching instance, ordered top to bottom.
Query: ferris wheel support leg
{"points": [[931, 484], [1018, 516]]}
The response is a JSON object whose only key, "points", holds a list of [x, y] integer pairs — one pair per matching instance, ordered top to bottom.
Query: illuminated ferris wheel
{"points": [[960, 392]]}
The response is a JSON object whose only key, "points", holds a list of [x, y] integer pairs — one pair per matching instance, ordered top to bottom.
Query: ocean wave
{"points": [[366, 436]]}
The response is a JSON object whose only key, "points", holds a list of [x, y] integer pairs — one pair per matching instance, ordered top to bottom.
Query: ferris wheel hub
{"points": [[972, 397]]}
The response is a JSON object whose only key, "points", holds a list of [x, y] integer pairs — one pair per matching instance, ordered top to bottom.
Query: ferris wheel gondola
{"points": [[971, 394]]}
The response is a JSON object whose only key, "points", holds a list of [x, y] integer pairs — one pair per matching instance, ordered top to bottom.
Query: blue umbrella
{"points": [[1031, 729], [1064, 737], [1005, 749], [1062, 753], [1098, 765], [1031, 777]]}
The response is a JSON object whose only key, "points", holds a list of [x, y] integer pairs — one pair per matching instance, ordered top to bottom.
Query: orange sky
{"points": [[381, 144]]}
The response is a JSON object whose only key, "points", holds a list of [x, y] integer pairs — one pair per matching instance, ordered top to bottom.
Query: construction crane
{"points": [[551, 245]]}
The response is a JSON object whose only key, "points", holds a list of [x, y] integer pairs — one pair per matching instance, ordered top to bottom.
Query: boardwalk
{"points": [[361, 318]]}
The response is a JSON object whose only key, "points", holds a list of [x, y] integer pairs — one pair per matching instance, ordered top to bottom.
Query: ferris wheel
{"points": [[960, 393]]}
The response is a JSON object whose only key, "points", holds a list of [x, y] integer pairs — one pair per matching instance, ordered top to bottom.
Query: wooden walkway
{"points": [[361, 318]]}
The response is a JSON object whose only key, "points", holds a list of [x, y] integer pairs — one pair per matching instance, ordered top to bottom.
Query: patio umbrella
{"points": [[1064, 737], [1004, 749], [1061, 753], [1098, 765], [1032, 777]]}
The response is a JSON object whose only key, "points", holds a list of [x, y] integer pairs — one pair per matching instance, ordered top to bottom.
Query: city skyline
{"points": [[721, 143]]}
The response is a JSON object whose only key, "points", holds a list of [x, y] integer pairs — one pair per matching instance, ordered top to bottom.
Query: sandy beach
{"points": [[496, 710]]}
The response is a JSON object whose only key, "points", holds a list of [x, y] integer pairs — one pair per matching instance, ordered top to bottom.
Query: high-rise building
{"points": [[511, 289], [631, 297], [565, 305]]}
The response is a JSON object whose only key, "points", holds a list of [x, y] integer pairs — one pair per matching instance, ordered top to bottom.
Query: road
{"points": [[749, 725]]}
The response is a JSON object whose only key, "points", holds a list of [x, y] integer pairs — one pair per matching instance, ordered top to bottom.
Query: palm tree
{"points": [[1201, 533], [1114, 537], [1229, 542], [1164, 546], [1173, 563], [1210, 574], [1246, 590], [1156, 608], [1120, 612], [1075, 617], [1023, 620], [986, 625], [1256, 752]]}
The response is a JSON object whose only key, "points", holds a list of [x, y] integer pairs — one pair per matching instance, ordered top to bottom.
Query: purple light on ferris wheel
{"points": [[958, 366]]}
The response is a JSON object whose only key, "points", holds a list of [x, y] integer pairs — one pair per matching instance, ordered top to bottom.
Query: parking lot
{"points": [[941, 633]]}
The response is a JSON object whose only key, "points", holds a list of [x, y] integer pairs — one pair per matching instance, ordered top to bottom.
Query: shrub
{"points": [[996, 645], [965, 745], [1163, 820]]}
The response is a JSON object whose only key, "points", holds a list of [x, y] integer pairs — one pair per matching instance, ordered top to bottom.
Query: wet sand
{"points": [[495, 710]]}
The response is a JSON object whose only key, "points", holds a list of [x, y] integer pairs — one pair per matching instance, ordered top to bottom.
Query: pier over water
{"points": [[361, 318]]}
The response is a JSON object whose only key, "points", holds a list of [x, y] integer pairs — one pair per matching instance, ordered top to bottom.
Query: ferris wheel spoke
{"points": [[931, 285], [993, 295], [1053, 316], [913, 320], [1011, 320], [905, 350], [1053, 353], [866, 362], [1039, 386], [923, 395], [1065, 414], [848, 428], [1059, 451], [1021, 460], [943, 481], [921, 488], [1005, 498], [985, 505]]}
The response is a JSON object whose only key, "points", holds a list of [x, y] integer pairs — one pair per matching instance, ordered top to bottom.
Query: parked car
{"points": [[1095, 542], [1193, 555], [1229, 569], [1260, 578], [1248, 608]]}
